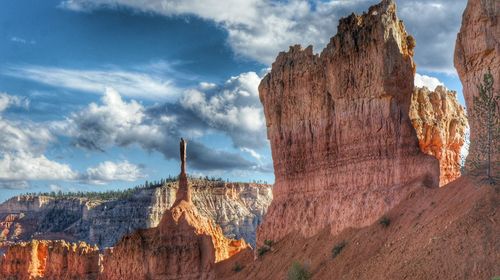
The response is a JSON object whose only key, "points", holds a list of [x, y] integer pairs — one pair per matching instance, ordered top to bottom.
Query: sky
{"points": [[95, 94]]}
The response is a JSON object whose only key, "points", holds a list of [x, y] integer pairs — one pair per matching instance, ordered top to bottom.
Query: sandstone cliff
{"points": [[477, 50], [441, 123], [343, 146], [237, 207], [55, 260]]}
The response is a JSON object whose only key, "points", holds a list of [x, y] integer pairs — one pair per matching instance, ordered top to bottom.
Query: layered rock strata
{"points": [[477, 51], [441, 124], [343, 146], [237, 207], [185, 245], [55, 260]]}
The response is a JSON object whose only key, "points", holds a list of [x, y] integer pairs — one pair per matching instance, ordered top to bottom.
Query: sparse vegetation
{"points": [[486, 110], [128, 193], [384, 221], [269, 242], [266, 247], [338, 249], [263, 250], [237, 267], [298, 271]]}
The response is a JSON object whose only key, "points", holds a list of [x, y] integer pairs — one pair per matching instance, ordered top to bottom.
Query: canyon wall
{"points": [[477, 50], [441, 123], [343, 146], [237, 207], [185, 245], [55, 260]]}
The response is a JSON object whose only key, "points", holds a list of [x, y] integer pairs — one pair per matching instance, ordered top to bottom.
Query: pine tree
{"points": [[486, 110]]}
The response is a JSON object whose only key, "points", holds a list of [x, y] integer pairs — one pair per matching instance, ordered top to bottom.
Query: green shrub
{"points": [[384, 221], [268, 242], [338, 248], [262, 250], [237, 267], [298, 272]]}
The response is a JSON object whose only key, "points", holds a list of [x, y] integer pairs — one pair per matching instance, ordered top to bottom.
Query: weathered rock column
{"points": [[477, 50], [344, 149], [184, 191]]}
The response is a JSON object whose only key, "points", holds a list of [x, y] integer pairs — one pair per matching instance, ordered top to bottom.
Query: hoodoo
{"points": [[477, 51], [441, 124], [343, 146], [185, 245]]}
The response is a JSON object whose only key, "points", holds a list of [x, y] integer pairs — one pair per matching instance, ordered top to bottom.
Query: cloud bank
{"points": [[259, 29]]}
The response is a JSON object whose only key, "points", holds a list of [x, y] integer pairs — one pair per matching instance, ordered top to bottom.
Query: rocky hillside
{"points": [[441, 123], [343, 146], [237, 207], [445, 233], [55, 260]]}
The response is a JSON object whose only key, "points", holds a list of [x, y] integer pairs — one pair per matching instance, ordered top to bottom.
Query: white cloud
{"points": [[259, 29], [22, 41], [427, 81], [131, 84], [7, 100], [234, 109], [23, 144], [252, 152], [24, 166], [110, 171], [55, 188]]}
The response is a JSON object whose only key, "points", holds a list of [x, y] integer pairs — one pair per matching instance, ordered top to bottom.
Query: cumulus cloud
{"points": [[259, 29], [427, 81], [129, 83], [7, 100], [234, 109], [157, 128], [22, 144], [22, 158], [110, 171]]}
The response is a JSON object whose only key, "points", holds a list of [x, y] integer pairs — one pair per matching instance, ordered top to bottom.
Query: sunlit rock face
{"points": [[477, 50], [441, 123], [343, 145], [237, 207], [185, 245], [55, 260]]}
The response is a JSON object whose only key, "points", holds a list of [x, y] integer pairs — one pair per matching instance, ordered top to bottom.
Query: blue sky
{"points": [[94, 94]]}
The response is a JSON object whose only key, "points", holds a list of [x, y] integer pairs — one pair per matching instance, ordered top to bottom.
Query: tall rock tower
{"points": [[343, 146], [184, 191]]}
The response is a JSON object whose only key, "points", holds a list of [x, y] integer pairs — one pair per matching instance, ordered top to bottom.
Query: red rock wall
{"points": [[477, 50], [440, 122], [343, 146], [55, 260]]}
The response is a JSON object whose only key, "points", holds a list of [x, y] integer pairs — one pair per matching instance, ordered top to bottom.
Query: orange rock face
{"points": [[477, 50], [440, 122], [343, 146], [185, 245], [42, 259]]}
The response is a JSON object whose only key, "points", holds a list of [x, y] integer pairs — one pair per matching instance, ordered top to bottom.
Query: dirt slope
{"points": [[447, 233]]}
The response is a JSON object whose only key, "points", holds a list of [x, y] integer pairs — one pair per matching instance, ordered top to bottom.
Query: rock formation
{"points": [[477, 50], [441, 123], [343, 146], [237, 207], [439, 233], [185, 245], [55, 260]]}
